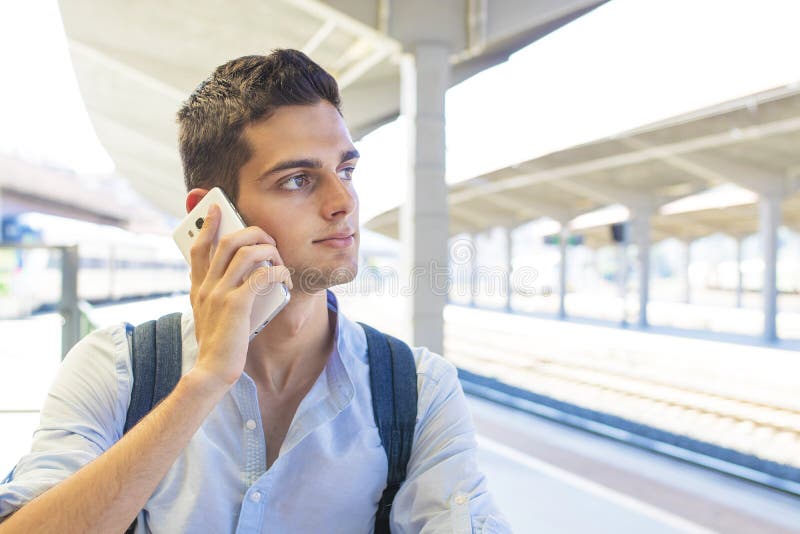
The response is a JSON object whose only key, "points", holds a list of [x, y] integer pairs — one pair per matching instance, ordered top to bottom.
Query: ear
{"points": [[193, 197]]}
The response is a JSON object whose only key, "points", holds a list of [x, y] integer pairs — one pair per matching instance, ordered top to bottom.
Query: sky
{"points": [[628, 63]]}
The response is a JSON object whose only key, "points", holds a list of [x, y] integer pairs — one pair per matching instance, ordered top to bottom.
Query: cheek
{"points": [[354, 193], [281, 221], [277, 228], [283, 237], [292, 240]]}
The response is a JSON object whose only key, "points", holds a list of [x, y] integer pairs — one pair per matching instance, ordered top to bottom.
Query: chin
{"points": [[342, 276], [312, 280]]}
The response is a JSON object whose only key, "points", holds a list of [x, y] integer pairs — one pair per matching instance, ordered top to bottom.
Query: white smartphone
{"points": [[272, 298]]}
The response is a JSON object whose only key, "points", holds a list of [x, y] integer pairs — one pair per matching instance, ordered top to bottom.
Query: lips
{"points": [[339, 235], [339, 240]]}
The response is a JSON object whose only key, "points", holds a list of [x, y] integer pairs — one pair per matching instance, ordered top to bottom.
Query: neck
{"points": [[294, 347]]}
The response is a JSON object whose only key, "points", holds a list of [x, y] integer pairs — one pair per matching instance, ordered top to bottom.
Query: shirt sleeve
{"points": [[82, 416], [444, 491]]}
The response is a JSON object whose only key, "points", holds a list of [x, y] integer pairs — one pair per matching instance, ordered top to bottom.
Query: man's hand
{"points": [[222, 297]]}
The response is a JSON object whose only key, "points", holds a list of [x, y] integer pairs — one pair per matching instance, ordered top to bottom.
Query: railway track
{"points": [[752, 420]]}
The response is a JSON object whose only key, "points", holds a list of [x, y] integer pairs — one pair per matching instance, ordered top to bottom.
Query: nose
{"points": [[339, 198]]}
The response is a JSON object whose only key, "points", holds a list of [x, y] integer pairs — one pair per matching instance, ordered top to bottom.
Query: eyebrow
{"points": [[307, 163]]}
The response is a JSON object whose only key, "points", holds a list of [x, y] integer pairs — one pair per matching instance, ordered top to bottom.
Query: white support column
{"points": [[423, 218], [769, 220], [642, 231], [509, 265], [622, 270], [473, 271], [562, 271], [739, 275], [687, 281], [68, 307]]}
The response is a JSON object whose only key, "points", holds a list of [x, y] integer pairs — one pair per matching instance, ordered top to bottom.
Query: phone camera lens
{"points": [[199, 223]]}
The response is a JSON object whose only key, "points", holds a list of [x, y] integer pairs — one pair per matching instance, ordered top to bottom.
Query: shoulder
{"points": [[105, 348], [100, 361], [432, 368], [438, 388], [90, 393]]}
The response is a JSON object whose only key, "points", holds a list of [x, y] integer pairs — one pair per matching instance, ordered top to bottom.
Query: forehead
{"points": [[298, 131]]}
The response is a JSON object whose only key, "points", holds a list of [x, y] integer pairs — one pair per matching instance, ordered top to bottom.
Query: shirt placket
{"points": [[255, 462]]}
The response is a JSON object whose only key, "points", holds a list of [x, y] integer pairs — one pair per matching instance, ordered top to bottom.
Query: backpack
{"points": [[156, 363]]}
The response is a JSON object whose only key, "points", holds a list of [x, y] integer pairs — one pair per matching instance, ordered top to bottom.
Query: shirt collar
{"points": [[339, 374]]}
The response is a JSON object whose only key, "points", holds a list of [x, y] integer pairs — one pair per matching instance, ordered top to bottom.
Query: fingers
{"points": [[230, 244], [200, 251], [246, 259], [265, 277], [260, 280]]}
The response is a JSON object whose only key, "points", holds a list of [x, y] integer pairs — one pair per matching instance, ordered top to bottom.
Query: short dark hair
{"points": [[211, 122]]}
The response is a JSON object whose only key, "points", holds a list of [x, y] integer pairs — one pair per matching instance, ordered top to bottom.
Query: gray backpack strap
{"points": [[156, 358], [393, 382]]}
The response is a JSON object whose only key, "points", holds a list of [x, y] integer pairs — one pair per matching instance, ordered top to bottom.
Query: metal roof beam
{"points": [[323, 11], [477, 23], [511, 24], [319, 36], [372, 45], [359, 68], [791, 124], [676, 161], [757, 179], [611, 194], [531, 208], [477, 219], [465, 223], [687, 227]]}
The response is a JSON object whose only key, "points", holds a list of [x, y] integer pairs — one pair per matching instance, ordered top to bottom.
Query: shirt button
{"points": [[250, 424], [255, 496], [461, 499]]}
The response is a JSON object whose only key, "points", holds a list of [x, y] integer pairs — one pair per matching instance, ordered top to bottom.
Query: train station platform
{"points": [[552, 478]]}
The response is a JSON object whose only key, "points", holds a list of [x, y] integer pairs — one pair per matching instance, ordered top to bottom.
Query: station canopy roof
{"points": [[137, 61], [750, 143]]}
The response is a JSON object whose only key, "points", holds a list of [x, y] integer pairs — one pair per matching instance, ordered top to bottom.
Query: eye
{"points": [[346, 173], [295, 183]]}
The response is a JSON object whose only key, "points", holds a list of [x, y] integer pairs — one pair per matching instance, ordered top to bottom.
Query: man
{"points": [[276, 435]]}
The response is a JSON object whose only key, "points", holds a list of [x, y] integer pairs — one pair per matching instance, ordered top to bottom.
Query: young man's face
{"points": [[297, 186]]}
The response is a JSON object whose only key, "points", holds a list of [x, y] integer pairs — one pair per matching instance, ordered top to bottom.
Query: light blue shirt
{"points": [[331, 469]]}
